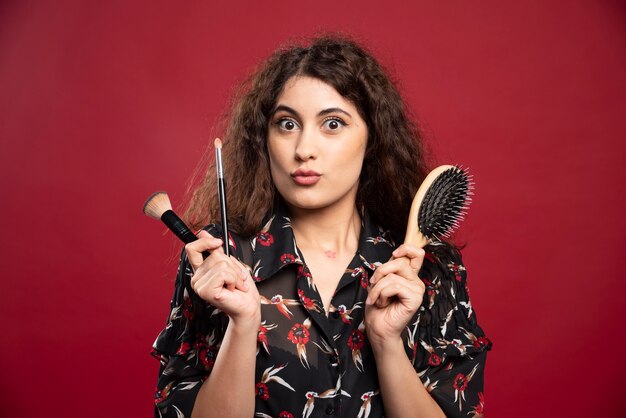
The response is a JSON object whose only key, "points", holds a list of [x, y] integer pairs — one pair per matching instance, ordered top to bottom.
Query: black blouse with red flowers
{"points": [[312, 365]]}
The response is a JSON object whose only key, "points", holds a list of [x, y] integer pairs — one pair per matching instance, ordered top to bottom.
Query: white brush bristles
{"points": [[156, 205]]}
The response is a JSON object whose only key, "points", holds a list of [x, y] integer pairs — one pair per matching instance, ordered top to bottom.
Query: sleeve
{"points": [[187, 347], [449, 347]]}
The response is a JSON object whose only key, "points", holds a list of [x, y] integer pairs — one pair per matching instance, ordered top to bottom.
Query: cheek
{"points": [[273, 155], [278, 159], [351, 159], [356, 167], [346, 168]]}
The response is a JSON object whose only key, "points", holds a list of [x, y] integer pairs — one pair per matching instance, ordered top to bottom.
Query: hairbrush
{"points": [[439, 205]]}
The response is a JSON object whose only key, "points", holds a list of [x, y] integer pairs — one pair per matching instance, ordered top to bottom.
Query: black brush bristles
{"points": [[445, 203]]}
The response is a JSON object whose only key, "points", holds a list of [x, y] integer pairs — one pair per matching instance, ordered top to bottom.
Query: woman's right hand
{"points": [[223, 281]]}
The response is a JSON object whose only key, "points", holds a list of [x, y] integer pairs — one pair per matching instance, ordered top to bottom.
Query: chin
{"points": [[317, 200], [307, 204]]}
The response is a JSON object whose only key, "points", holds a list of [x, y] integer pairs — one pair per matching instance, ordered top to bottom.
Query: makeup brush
{"points": [[221, 192], [439, 205], [158, 206]]}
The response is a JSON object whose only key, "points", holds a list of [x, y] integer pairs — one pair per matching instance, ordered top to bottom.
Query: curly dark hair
{"points": [[394, 164]]}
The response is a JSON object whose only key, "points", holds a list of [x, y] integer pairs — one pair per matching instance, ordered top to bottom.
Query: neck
{"points": [[334, 232]]}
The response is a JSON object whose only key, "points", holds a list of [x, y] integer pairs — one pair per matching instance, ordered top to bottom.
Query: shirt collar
{"points": [[274, 246]]}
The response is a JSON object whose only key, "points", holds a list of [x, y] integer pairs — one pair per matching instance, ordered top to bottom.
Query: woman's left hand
{"points": [[396, 293]]}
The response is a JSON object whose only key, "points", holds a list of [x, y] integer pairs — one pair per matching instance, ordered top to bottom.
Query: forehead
{"points": [[310, 92]]}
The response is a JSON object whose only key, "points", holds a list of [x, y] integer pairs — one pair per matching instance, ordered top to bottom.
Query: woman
{"points": [[333, 317]]}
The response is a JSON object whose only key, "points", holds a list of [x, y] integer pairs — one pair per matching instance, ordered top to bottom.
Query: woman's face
{"points": [[316, 143]]}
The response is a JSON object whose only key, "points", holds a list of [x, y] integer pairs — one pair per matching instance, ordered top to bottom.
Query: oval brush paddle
{"points": [[439, 205]]}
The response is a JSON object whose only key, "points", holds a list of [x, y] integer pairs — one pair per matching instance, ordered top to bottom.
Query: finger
{"points": [[205, 242], [408, 250], [413, 253], [216, 257], [219, 262], [216, 263], [399, 266], [235, 267], [244, 267], [238, 270], [244, 274], [212, 285], [394, 286], [375, 291], [381, 292], [387, 294]]}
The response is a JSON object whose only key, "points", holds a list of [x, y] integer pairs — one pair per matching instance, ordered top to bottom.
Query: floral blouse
{"points": [[313, 365]]}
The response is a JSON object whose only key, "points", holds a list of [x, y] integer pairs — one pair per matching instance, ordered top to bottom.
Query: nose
{"points": [[307, 147]]}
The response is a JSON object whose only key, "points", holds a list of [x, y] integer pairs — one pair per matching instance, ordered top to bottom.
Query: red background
{"points": [[103, 103]]}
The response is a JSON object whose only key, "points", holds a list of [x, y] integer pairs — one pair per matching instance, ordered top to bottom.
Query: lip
{"points": [[305, 177]]}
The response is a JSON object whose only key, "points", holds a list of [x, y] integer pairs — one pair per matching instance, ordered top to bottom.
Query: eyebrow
{"points": [[321, 113]]}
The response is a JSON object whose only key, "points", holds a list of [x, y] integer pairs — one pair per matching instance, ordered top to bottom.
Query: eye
{"points": [[287, 124], [333, 124]]}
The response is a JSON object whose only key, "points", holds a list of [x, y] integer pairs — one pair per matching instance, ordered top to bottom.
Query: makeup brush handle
{"points": [[221, 189], [178, 227]]}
